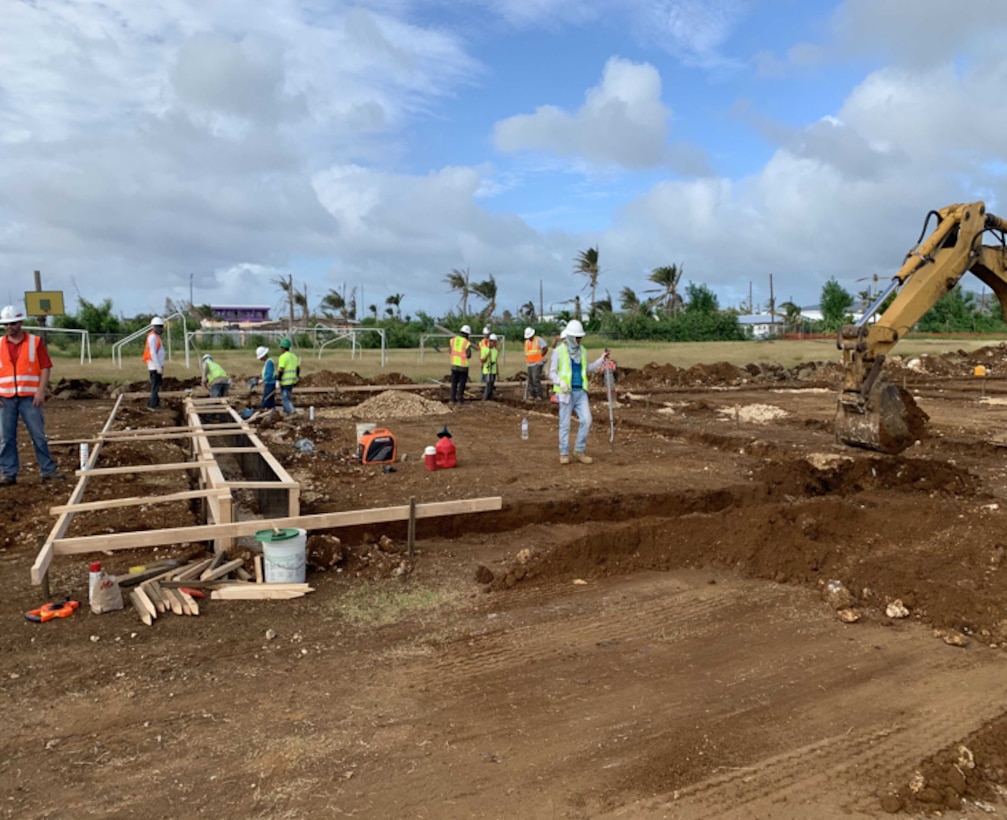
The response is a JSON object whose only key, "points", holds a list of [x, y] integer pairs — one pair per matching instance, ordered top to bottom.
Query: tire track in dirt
{"points": [[692, 612], [844, 775]]}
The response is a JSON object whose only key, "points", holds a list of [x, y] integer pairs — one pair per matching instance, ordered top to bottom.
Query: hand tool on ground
{"points": [[609, 370], [46, 612]]}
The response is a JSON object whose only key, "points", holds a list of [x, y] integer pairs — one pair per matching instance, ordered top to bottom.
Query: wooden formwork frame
{"points": [[214, 489], [216, 492]]}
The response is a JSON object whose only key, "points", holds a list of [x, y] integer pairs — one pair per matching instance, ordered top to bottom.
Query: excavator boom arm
{"points": [[875, 414]]}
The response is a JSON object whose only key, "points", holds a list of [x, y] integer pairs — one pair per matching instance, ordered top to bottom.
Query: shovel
{"points": [[609, 367]]}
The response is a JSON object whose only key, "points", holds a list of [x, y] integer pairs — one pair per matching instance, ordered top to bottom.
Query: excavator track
{"points": [[889, 420]]}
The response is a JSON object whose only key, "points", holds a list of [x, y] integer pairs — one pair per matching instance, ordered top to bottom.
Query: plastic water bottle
{"points": [[524, 428], [84, 454], [93, 576]]}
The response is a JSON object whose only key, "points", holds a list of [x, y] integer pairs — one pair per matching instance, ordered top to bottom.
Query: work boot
{"points": [[583, 458], [564, 459], [57, 476], [7, 480]]}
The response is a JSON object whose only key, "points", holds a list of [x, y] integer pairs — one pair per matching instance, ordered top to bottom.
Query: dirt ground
{"points": [[726, 615]]}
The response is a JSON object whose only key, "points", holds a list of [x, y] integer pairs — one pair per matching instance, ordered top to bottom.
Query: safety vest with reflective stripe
{"points": [[459, 349], [533, 350], [147, 353], [288, 363], [214, 371], [565, 371], [19, 378]]}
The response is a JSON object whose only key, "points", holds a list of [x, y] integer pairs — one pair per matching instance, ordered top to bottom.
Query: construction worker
{"points": [[484, 344], [461, 352], [153, 355], [534, 355], [488, 358], [568, 370], [288, 371], [24, 378], [214, 378], [267, 379]]}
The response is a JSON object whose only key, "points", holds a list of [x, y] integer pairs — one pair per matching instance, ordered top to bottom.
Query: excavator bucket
{"points": [[888, 421]]}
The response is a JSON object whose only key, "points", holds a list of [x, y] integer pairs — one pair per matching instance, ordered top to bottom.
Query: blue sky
{"points": [[378, 145]]}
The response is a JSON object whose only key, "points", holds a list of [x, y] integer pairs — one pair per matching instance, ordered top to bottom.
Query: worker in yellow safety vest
{"points": [[461, 352], [288, 372]]}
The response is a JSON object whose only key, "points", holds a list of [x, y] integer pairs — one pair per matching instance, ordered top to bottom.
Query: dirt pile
{"points": [[392, 404]]}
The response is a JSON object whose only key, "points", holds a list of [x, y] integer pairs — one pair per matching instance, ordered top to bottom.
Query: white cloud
{"points": [[920, 33], [622, 122]]}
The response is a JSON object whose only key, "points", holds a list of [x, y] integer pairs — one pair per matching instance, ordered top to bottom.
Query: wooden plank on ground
{"points": [[146, 468], [135, 501], [318, 521], [41, 566], [191, 571], [221, 571], [258, 592], [145, 602], [188, 602], [140, 608]]}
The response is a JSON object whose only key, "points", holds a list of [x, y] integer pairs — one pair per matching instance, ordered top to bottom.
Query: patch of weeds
{"points": [[381, 604]]}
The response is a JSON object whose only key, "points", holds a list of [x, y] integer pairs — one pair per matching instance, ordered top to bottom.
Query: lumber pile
{"points": [[170, 586]]}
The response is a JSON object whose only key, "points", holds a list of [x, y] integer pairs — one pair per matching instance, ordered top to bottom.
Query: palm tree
{"points": [[586, 264], [667, 277], [459, 280], [487, 290], [396, 300], [629, 302], [333, 303], [373, 309], [527, 311], [791, 316]]}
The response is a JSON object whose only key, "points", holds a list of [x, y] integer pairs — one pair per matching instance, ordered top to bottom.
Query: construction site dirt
{"points": [[726, 615]]}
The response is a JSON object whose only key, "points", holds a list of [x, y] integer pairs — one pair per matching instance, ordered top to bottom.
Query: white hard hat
{"points": [[10, 314], [157, 320], [574, 328], [465, 329], [486, 330], [529, 332], [493, 337], [261, 352], [206, 356]]}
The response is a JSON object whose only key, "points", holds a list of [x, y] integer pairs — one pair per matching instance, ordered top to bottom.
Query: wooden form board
{"points": [[316, 521]]}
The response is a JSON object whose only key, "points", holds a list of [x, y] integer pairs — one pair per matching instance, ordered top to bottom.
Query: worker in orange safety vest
{"points": [[534, 355], [153, 356], [24, 380]]}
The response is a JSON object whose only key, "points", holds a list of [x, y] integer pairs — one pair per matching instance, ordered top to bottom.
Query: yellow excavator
{"points": [[873, 412]]}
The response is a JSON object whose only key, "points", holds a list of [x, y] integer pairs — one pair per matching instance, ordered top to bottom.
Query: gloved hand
{"points": [[564, 387]]}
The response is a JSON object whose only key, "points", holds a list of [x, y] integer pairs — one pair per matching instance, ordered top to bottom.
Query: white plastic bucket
{"points": [[283, 555]]}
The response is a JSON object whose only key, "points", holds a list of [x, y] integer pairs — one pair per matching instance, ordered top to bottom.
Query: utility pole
{"points": [[38, 288], [751, 301], [772, 301], [290, 302], [541, 304], [192, 305]]}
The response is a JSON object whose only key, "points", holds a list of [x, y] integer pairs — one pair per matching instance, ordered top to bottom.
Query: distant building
{"points": [[241, 314], [762, 325]]}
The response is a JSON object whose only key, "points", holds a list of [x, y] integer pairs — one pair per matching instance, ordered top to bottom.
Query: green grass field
{"points": [[242, 363]]}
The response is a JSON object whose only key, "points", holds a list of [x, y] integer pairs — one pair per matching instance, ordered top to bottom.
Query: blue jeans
{"points": [[268, 395], [288, 403], [578, 404], [32, 415]]}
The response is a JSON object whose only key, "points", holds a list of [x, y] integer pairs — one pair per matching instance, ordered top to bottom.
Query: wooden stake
{"points": [[411, 542]]}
